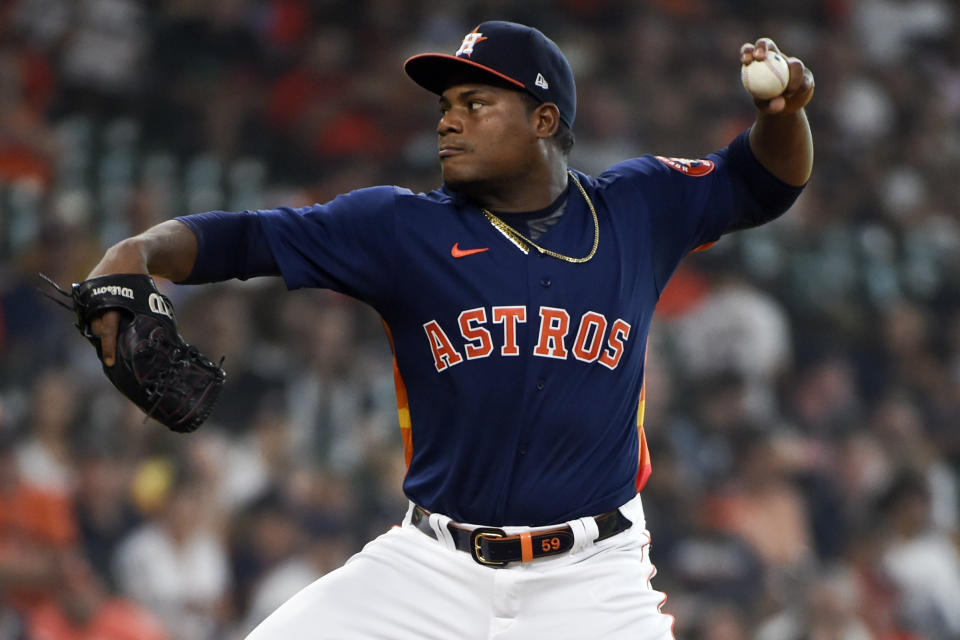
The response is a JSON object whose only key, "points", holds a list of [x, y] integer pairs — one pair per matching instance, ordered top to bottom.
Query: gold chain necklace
{"points": [[524, 243]]}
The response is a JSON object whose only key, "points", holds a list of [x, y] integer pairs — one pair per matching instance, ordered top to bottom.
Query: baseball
{"points": [[767, 78]]}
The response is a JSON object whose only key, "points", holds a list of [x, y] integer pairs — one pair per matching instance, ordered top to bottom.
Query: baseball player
{"points": [[518, 297]]}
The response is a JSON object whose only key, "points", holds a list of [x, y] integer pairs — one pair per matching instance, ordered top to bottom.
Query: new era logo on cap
{"points": [[503, 52]]}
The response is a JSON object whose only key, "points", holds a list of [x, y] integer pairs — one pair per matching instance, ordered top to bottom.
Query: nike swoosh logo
{"points": [[457, 252]]}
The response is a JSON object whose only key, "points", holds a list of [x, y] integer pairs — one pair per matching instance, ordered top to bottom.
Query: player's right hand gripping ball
{"points": [[766, 79], [170, 380]]}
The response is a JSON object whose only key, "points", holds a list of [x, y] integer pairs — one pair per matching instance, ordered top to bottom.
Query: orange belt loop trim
{"points": [[526, 547]]}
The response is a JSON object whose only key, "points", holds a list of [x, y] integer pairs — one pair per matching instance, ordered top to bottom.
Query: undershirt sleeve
{"points": [[770, 196], [229, 245]]}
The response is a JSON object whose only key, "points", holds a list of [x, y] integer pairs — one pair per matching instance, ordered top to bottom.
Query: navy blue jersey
{"points": [[519, 376]]}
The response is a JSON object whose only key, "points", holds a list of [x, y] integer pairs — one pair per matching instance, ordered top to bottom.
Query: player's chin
{"points": [[458, 178]]}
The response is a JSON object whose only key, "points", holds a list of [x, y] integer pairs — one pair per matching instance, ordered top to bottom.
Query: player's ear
{"points": [[546, 119]]}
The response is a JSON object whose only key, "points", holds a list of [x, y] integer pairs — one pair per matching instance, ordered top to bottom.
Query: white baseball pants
{"points": [[405, 584]]}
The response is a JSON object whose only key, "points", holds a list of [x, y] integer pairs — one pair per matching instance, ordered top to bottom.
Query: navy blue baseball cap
{"points": [[516, 54]]}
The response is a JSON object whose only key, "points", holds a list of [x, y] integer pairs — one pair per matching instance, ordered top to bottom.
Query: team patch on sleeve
{"points": [[694, 168]]}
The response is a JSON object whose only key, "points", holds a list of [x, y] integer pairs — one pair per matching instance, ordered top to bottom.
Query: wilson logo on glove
{"points": [[126, 292], [159, 304], [170, 380]]}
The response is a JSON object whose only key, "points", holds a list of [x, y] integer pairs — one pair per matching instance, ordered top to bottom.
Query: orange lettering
{"points": [[509, 317], [598, 324], [554, 325], [619, 332], [480, 345], [444, 355]]}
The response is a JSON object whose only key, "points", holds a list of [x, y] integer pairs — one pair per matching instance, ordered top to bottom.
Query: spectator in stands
{"points": [[36, 528], [176, 567], [81, 609]]}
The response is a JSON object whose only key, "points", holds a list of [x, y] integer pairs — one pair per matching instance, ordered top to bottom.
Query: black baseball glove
{"points": [[170, 380]]}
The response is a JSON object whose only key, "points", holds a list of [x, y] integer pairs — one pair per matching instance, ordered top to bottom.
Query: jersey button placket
{"points": [[545, 282]]}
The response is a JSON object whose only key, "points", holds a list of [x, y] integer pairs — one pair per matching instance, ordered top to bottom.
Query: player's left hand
{"points": [[799, 88]]}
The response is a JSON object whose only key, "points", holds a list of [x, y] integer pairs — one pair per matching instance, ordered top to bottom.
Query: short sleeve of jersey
{"points": [[688, 202], [347, 245]]}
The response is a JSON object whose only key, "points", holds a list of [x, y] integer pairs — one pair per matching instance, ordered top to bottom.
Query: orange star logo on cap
{"points": [[469, 42]]}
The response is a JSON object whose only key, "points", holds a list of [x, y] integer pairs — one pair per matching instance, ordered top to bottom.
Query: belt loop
{"points": [[633, 510], [408, 516], [438, 522], [591, 530], [580, 537], [526, 546]]}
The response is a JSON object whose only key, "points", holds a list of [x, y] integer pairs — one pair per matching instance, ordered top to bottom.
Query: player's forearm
{"points": [[784, 145], [168, 250]]}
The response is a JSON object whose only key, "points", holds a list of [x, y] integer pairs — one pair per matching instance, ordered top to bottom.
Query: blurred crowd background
{"points": [[803, 379]]}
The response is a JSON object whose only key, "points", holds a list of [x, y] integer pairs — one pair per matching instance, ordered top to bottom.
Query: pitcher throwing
{"points": [[518, 297]]}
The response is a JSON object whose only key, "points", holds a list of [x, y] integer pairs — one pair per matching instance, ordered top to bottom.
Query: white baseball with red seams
{"points": [[767, 78]]}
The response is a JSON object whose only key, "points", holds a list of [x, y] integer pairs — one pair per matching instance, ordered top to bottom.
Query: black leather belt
{"points": [[492, 547]]}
